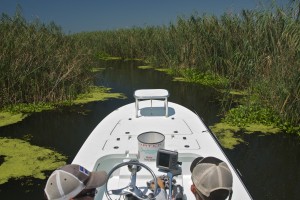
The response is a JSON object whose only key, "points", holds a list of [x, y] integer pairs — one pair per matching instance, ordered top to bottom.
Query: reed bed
{"points": [[256, 50], [38, 63]]}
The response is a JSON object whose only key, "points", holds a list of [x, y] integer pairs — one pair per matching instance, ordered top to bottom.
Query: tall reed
{"points": [[257, 50], [38, 63]]}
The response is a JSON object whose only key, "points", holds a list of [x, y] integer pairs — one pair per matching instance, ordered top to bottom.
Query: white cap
{"points": [[211, 174], [69, 180]]}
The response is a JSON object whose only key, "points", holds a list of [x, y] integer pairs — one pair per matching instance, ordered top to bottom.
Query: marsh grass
{"points": [[257, 51], [38, 63]]}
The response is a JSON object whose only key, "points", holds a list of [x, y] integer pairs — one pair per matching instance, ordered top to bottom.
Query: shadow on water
{"points": [[269, 164]]}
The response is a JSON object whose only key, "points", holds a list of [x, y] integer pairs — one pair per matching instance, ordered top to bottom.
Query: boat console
{"points": [[166, 163]]}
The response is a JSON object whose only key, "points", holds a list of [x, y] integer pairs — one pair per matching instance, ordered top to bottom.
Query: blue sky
{"points": [[92, 15]]}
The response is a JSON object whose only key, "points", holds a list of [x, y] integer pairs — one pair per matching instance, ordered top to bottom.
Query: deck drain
{"points": [[127, 132], [184, 138], [118, 139], [187, 146], [116, 147]]}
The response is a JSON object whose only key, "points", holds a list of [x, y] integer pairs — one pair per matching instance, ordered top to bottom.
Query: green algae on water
{"points": [[105, 56], [108, 58], [133, 59], [145, 67], [97, 69], [165, 70], [194, 76], [202, 79], [97, 94], [30, 107], [18, 112], [7, 118], [265, 129], [226, 135], [21, 159]]}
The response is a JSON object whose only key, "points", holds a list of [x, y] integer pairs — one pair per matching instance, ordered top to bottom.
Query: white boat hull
{"points": [[115, 139]]}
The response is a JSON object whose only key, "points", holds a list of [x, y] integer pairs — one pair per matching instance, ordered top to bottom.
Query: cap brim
{"points": [[212, 160], [194, 163], [96, 179]]}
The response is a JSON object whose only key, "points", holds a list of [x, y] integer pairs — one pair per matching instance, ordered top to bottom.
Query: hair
{"points": [[86, 192], [220, 194]]}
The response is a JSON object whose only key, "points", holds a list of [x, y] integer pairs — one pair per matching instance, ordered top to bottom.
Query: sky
{"points": [[92, 15]]}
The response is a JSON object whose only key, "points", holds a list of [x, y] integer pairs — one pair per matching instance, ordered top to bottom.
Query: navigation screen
{"points": [[164, 159]]}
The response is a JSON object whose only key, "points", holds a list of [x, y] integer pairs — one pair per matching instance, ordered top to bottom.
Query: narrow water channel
{"points": [[269, 164]]}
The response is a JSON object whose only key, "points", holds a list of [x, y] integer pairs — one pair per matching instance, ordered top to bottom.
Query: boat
{"points": [[132, 137]]}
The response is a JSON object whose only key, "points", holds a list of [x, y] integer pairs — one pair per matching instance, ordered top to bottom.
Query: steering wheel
{"points": [[134, 166]]}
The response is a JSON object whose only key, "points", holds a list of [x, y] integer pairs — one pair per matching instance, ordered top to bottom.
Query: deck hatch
{"points": [[162, 125], [172, 142]]}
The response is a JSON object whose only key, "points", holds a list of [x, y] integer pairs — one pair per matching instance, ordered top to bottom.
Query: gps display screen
{"points": [[164, 159]]}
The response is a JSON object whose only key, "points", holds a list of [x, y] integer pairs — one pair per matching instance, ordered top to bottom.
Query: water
{"points": [[269, 164]]}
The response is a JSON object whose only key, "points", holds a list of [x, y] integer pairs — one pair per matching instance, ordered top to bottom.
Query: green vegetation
{"points": [[255, 51], [107, 57], [38, 63], [145, 67], [40, 69], [97, 69], [166, 70], [208, 79], [97, 94], [29, 107], [15, 113], [243, 115], [252, 117], [7, 118], [248, 119], [226, 134], [231, 135], [21, 159]]}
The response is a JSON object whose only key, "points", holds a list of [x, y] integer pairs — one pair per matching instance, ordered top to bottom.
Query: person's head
{"points": [[212, 179], [72, 181]]}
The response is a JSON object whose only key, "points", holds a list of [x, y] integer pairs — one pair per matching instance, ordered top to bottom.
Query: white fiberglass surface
{"points": [[121, 177]]}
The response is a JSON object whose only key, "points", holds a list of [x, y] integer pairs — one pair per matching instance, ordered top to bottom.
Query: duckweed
{"points": [[106, 56], [145, 67], [97, 69], [165, 70], [202, 78], [97, 94], [18, 112], [7, 118], [265, 129], [226, 135], [21, 159]]}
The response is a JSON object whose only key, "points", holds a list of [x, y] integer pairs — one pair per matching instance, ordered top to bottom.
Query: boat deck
{"points": [[115, 139]]}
